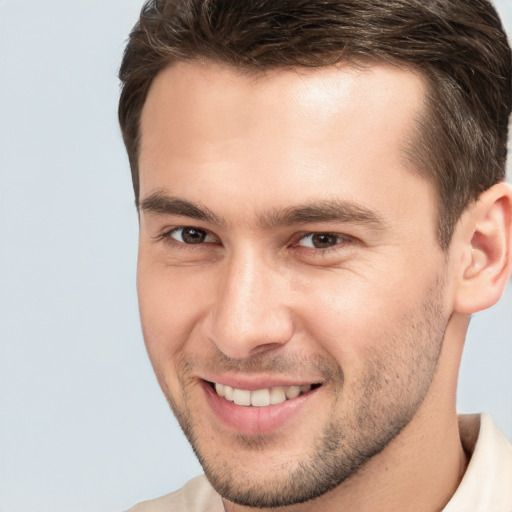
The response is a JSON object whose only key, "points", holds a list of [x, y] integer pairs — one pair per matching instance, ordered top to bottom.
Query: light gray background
{"points": [[83, 425]]}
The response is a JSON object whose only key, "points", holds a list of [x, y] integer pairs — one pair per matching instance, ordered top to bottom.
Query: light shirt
{"points": [[487, 483], [485, 487], [197, 495]]}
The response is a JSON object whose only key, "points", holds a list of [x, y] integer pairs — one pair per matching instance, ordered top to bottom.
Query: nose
{"points": [[250, 314]]}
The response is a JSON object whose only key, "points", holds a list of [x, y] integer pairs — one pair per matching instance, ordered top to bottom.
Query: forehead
{"points": [[197, 93], [285, 133]]}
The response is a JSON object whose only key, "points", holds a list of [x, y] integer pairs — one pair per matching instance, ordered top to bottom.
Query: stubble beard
{"points": [[390, 392]]}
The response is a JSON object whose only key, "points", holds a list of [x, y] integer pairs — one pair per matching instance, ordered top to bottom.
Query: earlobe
{"points": [[487, 260]]}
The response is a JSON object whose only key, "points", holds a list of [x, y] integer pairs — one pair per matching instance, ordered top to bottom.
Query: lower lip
{"points": [[254, 420]]}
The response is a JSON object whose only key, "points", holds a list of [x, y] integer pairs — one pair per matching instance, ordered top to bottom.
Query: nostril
{"points": [[264, 347]]}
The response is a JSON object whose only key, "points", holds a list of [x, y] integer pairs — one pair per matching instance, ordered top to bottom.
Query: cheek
{"points": [[170, 305], [168, 313], [348, 314]]}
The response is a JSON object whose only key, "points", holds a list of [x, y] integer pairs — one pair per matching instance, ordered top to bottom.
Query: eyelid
{"points": [[207, 234], [166, 236], [342, 240]]}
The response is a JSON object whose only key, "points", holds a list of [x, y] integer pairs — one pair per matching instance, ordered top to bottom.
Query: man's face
{"points": [[287, 258]]}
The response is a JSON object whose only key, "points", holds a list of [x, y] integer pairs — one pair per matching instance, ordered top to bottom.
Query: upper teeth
{"points": [[260, 397]]}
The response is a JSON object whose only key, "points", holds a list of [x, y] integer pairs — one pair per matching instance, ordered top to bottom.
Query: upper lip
{"points": [[253, 383]]}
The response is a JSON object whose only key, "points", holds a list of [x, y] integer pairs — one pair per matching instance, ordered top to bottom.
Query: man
{"points": [[322, 208]]}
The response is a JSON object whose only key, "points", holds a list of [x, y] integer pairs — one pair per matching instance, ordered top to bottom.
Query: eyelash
{"points": [[168, 238], [342, 240]]}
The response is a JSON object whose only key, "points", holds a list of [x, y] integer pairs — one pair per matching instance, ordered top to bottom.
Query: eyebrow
{"points": [[167, 205], [324, 211], [317, 212]]}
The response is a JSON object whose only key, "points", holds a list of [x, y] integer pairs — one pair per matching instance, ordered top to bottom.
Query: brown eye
{"points": [[190, 235], [320, 240]]}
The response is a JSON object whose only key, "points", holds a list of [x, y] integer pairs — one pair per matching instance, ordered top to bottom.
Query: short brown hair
{"points": [[459, 46]]}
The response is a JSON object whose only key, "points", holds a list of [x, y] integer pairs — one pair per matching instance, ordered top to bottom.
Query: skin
{"points": [[373, 313]]}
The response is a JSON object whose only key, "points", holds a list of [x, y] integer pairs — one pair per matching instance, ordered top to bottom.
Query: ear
{"points": [[486, 261]]}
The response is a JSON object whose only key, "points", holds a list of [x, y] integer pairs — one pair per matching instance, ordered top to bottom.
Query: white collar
{"points": [[487, 483]]}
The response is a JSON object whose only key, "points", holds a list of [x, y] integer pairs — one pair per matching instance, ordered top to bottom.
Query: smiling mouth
{"points": [[261, 397]]}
